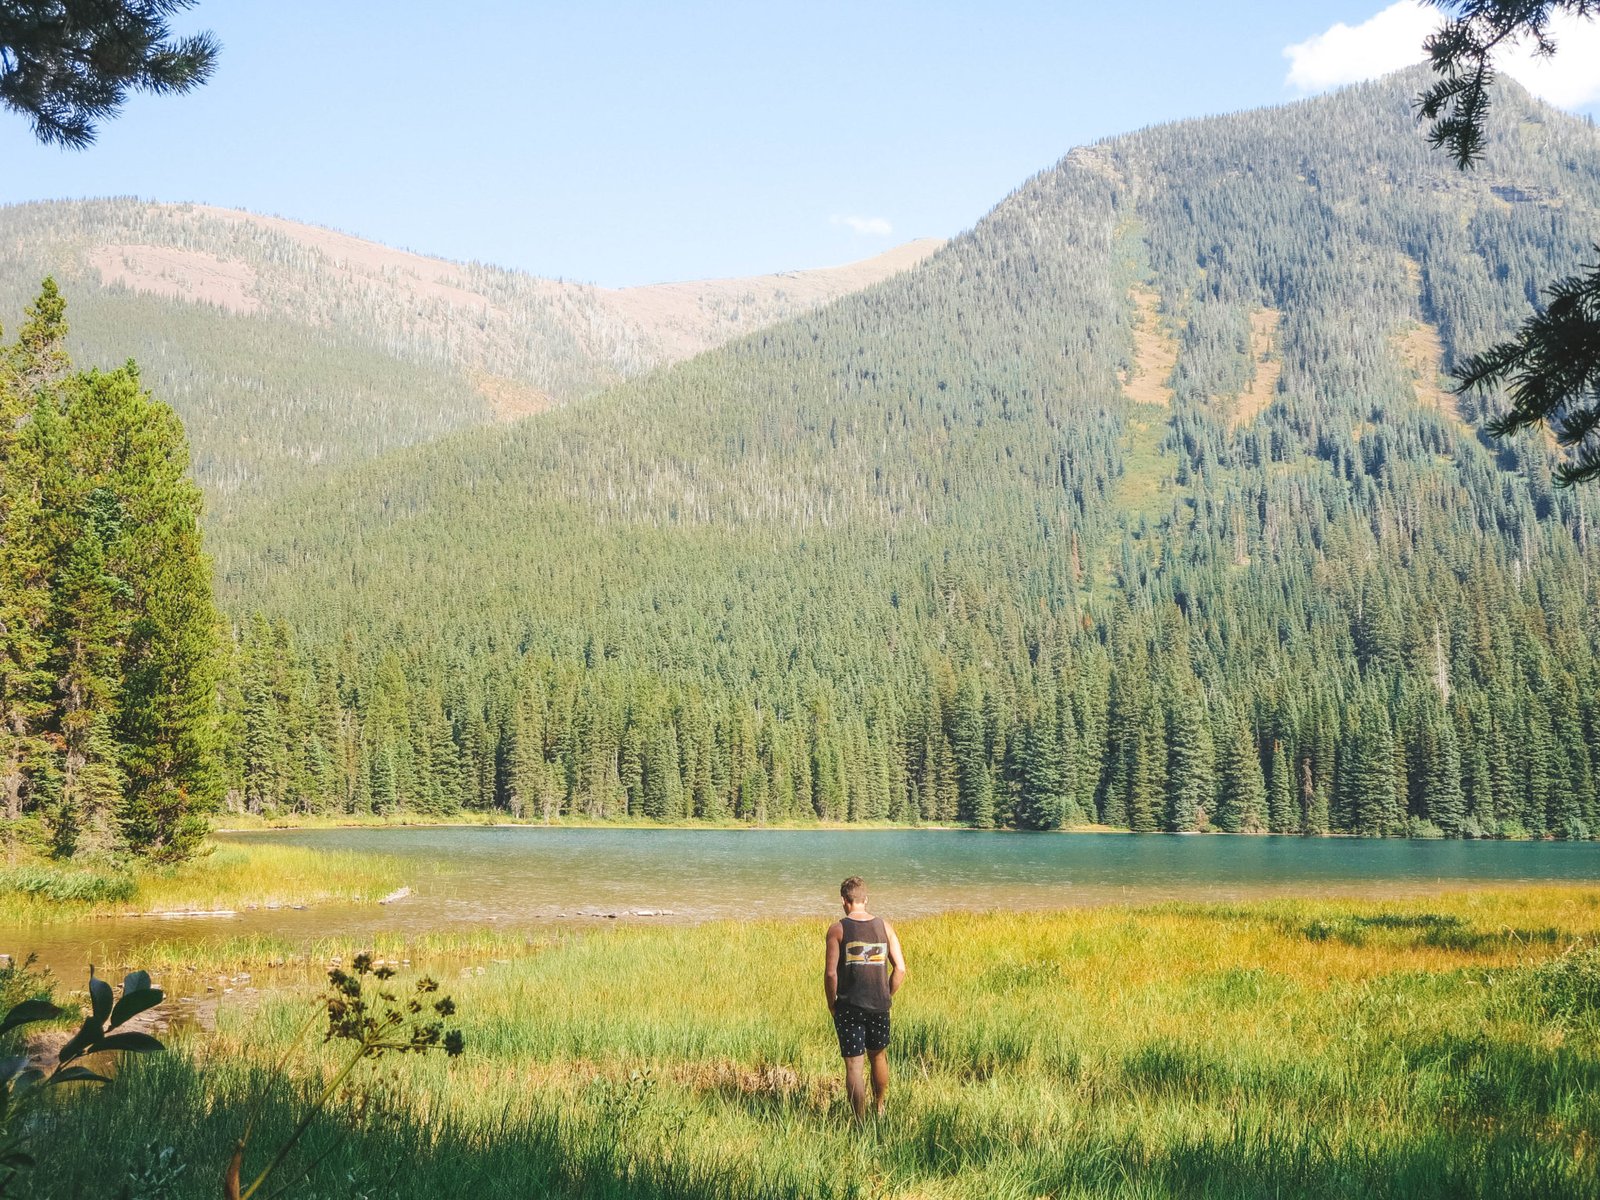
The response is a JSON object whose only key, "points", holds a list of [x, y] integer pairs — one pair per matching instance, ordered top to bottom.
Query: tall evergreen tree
{"points": [[969, 743], [1191, 769], [1147, 782], [1242, 794], [1044, 801], [1282, 809]]}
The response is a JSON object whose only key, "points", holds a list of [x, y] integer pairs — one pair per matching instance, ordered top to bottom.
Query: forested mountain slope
{"points": [[286, 347], [1139, 503]]}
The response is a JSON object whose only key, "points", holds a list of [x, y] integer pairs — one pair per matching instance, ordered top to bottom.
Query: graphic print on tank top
{"points": [[866, 954]]}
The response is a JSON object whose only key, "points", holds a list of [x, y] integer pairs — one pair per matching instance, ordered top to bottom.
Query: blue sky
{"points": [[629, 143]]}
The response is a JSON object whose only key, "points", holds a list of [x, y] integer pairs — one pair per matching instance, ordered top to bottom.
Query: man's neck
{"points": [[860, 913]]}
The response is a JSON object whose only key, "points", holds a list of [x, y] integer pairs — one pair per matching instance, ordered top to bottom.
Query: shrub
{"points": [[22, 1082]]}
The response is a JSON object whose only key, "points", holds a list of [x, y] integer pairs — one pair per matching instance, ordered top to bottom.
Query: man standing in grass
{"points": [[859, 985]]}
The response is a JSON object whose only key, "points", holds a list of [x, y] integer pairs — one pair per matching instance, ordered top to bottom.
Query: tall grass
{"points": [[225, 877], [1431, 1048]]}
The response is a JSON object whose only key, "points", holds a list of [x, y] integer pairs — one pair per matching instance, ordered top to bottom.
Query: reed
{"points": [[227, 876], [1443, 1047]]}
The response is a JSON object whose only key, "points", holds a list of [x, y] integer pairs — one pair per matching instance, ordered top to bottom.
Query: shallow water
{"points": [[521, 876]]}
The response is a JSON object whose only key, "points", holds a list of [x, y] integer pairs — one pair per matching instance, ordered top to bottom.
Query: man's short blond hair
{"points": [[853, 890]]}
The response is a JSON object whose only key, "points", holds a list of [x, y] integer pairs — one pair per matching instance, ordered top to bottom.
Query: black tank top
{"points": [[864, 964]]}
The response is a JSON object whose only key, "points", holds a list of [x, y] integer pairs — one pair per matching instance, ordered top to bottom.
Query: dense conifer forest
{"points": [[1140, 504]]}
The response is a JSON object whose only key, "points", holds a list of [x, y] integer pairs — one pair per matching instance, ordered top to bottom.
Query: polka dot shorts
{"points": [[860, 1030]]}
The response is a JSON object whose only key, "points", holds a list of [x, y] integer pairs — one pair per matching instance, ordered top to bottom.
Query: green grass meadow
{"points": [[1444, 1047]]}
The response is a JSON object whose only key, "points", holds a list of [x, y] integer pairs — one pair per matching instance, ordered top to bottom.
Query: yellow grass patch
{"points": [[1422, 352], [1155, 354], [511, 399], [1253, 401], [224, 878]]}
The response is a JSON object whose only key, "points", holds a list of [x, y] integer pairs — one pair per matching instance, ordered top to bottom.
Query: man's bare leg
{"points": [[880, 1079], [855, 1084]]}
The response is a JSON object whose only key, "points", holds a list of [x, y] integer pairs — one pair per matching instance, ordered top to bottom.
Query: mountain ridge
{"points": [[225, 296]]}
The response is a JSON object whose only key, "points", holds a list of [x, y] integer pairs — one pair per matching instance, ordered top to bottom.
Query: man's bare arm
{"points": [[897, 957], [830, 965]]}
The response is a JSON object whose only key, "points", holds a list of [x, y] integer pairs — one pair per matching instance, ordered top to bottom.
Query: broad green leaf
{"points": [[135, 981], [99, 998], [135, 1001], [29, 1011], [86, 1036], [133, 1042], [78, 1075]]}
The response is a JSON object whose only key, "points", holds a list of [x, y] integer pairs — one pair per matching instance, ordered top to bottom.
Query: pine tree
{"points": [[29, 370], [86, 632], [110, 636], [167, 722], [969, 743], [1122, 746], [263, 750], [525, 767], [1191, 769], [1370, 776], [663, 779], [1541, 781], [1147, 783], [1242, 794], [1572, 797], [1044, 800], [1443, 801], [1282, 808]]}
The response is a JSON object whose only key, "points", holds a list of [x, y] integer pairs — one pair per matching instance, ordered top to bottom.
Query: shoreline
{"points": [[347, 821], [312, 823], [264, 865], [1419, 913], [219, 940]]}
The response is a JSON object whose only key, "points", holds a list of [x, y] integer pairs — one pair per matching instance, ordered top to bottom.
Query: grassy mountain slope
{"points": [[286, 347], [1140, 502]]}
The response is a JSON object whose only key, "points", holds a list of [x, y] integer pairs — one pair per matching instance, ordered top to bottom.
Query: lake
{"points": [[510, 876]]}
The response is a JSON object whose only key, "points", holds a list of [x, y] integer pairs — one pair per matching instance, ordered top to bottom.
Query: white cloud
{"points": [[1393, 39], [1348, 54], [1569, 80], [866, 226]]}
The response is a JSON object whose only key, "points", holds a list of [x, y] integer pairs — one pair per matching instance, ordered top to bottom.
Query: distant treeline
{"points": [[1388, 713]]}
